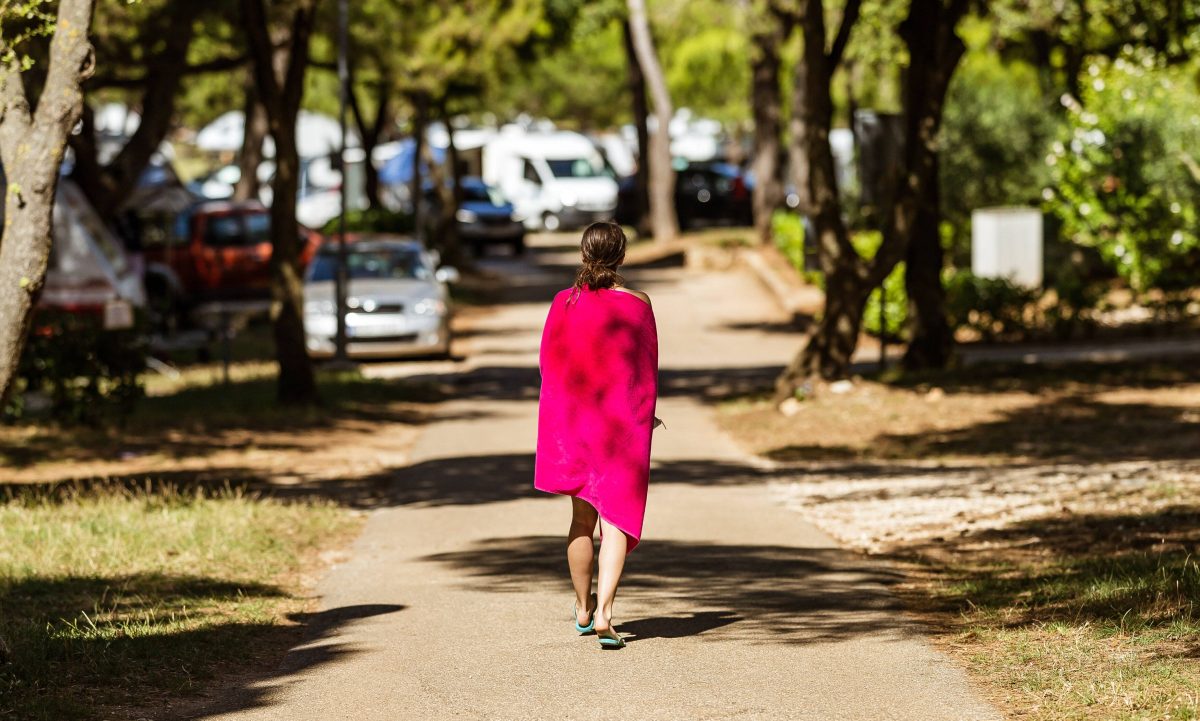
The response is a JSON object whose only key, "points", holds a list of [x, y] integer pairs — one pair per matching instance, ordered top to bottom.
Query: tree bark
{"points": [[934, 49], [281, 95], [765, 100], [420, 105], [641, 114], [371, 134], [32, 143], [252, 143], [109, 186], [450, 198], [663, 220], [848, 277]]}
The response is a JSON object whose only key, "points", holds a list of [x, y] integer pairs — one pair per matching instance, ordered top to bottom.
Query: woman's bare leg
{"points": [[580, 552], [612, 562]]}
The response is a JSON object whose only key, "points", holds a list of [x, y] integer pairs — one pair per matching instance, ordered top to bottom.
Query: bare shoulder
{"points": [[636, 293]]}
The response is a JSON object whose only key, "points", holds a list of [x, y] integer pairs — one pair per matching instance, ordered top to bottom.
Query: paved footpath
{"points": [[455, 601]]}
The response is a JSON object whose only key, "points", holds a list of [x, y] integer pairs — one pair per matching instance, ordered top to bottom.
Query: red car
{"points": [[217, 250]]}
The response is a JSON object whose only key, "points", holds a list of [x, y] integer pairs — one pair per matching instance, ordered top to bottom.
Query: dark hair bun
{"points": [[603, 250]]}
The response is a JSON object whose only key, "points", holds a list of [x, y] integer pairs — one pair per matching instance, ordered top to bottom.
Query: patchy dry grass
{"points": [[196, 430], [1048, 521], [114, 602]]}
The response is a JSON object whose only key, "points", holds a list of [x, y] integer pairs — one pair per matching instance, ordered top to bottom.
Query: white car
{"points": [[555, 180], [397, 300]]}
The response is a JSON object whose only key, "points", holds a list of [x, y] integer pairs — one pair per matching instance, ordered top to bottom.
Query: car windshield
{"points": [[575, 168], [483, 193], [238, 229], [397, 263]]}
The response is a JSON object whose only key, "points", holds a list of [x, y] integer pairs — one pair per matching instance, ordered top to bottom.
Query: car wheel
{"points": [[550, 222]]}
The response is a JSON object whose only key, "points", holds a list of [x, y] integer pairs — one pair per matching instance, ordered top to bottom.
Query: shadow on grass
{"points": [[199, 420], [1064, 428], [1118, 573], [770, 594], [85, 647]]}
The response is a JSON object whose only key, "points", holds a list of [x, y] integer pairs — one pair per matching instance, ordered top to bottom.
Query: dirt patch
{"points": [[1046, 521]]}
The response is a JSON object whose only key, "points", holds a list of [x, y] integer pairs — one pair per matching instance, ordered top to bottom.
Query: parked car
{"points": [[556, 180], [706, 193], [484, 217], [218, 250], [397, 300]]}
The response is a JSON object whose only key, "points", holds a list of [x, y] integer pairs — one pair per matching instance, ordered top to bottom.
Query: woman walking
{"points": [[599, 364]]}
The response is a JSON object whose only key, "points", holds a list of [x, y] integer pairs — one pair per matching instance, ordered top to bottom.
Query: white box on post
{"points": [[1007, 243]]}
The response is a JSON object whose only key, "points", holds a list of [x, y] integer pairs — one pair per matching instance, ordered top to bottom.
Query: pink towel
{"points": [[599, 363]]}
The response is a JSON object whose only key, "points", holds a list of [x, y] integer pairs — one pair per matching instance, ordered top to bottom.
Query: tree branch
{"points": [[254, 18], [849, 18], [216, 65], [293, 82]]}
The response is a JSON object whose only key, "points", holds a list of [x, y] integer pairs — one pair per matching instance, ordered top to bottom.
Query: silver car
{"points": [[397, 302]]}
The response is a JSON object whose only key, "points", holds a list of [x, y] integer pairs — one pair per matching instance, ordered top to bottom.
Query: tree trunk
{"points": [[934, 50], [281, 98], [765, 100], [420, 106], [641, 113], [371, 134], [798, 139], [32, 143], [252, 143], [108, 191], [450, 198], [663, 219], [848, 278], [931, 340], [828, 353]]}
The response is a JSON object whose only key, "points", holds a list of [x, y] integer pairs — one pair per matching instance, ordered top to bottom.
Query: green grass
{"points": [[114, 600], [1100, 634]]}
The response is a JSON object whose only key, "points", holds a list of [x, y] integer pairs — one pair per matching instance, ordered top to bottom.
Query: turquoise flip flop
{"points": [[591, 618], [610, 640]]}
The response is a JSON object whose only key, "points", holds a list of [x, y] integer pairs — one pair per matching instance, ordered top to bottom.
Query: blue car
{"points": [[485, 218]]}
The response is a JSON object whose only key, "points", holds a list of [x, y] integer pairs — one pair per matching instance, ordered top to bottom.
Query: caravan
{"points": [[555, 180]]}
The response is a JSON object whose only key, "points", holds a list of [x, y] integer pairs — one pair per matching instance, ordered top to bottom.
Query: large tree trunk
{"points": [[934, 50], [281, 97], [765, 100], [641, 114], [252, 143], [31, 148], [112, 184], [663, 221], [848, 277], [931, 340], [830, 347]]}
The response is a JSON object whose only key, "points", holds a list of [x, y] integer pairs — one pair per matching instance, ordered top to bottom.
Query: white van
{"points": [[555, 180]]}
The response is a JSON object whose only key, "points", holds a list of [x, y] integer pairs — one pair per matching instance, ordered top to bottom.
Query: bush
{"points": [[995, 133], [1123, 173], [372, 220], [788, 231], [993, 307], [895, 309], [89, 374]]}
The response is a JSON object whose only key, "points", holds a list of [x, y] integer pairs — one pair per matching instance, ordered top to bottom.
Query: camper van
{"points": [[555, 180]]}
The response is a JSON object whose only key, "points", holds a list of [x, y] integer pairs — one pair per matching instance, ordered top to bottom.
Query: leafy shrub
{"points": [[994, 136], [1123, 173], [372, 220], [788, 231], [992, 307], [895, 308], [89, 374]]}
